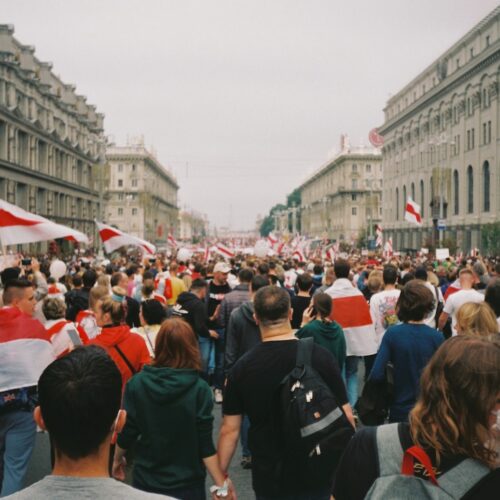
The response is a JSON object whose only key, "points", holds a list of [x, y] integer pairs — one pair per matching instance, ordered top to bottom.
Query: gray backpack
{"points": [[397, 482]]}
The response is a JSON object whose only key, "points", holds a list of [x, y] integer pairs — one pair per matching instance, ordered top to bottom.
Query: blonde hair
{"points": [[432, 278], [103, 280], [375, 281], [96, 294], [115, 310], [477, 320]]}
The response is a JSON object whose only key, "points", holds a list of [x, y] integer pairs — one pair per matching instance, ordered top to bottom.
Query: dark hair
{"points": [[263, 268], [341, 268], [317, 269], [130, 271], [10, 273], [421, 273], [148, 275], [245, 275], [390, 275], [409, 276], [89, 278], [115, 279], [76, 280], [258, 282], [304, 282], [198, 284], [15, 288], [492, 296], [415, 303], [323, 304], [272, 305], [152, 312], [177, 346], [80, 395]]}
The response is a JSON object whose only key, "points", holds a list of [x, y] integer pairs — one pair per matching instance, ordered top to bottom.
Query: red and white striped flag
{"points": [[412, 212], [19, 226], [379, 232], [113, 238], [272, 239], [171, 240], [388, 247], [224, 250], [297, 254], [330, 254], [206, 255]]}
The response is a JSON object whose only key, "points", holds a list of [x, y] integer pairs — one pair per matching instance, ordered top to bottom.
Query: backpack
{"points": [[310, 427], [397, 482]]}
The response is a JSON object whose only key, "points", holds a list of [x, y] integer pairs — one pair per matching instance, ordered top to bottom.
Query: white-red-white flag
{"points": [[412, 212], [20, 226], [379, 232], [113, 239], [272, 239], [171, 240], [388, 247], [224, 250], [206, 253], [330, 254], [299, 255]]}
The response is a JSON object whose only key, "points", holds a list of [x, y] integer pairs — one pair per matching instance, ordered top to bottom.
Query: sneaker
{"points": [[218, 396], [246, 463]]}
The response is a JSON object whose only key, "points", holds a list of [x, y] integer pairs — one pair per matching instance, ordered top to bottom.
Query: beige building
{"points": [[51, 140], [441, 146], [140, 193], [343, 197], [193, 226]]}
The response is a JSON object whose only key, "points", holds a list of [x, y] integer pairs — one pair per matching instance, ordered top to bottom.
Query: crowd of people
{"points": [[122, 360]]}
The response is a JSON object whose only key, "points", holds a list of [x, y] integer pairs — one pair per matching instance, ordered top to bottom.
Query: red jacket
{"points": [[132, 346]]}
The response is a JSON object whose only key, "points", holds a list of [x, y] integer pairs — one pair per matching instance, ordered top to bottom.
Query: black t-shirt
{"points": [[214, 298], [299, 305], [251, 388], [358, 468]]}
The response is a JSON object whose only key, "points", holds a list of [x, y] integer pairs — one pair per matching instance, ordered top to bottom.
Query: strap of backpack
{"points": [[304, 352], [127, 362], [389, 449], [463, 477]]}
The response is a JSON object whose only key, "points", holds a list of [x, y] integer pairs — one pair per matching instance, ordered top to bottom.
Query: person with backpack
{"points": [[263, 385], [449, 448]]}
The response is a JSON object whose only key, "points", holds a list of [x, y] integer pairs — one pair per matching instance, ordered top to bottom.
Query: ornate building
{"points": [[50, 140], [442, 143], [140, 193], [343, 197]]}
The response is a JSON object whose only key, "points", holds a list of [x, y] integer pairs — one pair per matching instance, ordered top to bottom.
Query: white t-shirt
{"points": [[458, 299], [383, 311], [430, 320]]}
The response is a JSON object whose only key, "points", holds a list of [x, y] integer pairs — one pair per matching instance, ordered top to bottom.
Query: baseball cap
{"points": [[221, 267]]}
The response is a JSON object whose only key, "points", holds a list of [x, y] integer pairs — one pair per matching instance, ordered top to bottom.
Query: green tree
{"points": [[267, 226], [490, 238]]}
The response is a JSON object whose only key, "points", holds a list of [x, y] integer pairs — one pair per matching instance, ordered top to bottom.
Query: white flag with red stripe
{"points": [[412, 212], [19, 226], [379, 232], [113, 239], [272, 239], [171, 240], [388, 248], [224, 250], [299, 255]]}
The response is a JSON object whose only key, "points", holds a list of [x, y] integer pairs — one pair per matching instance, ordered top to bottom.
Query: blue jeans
{"points": [[220, 345], [205, 351], [351, 378], [245, 425], [17, 440], [323, 494]]}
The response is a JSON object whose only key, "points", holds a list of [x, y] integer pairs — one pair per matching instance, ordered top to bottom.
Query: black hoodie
{"points": [[196, 313]]}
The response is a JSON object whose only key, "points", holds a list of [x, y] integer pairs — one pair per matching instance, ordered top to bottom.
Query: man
{"points": [[421, 274], [328, 279], [121, 280], [177, 285], [217, 289], [236, 297], [457, 299], [79, 301], [301, 301], [383, 304], [191, 306], [351, 312], [25, 351], [250, 390], [80, 398]]}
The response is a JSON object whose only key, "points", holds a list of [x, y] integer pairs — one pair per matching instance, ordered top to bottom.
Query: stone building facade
{"points": [[51, 140], [442, 141], [140, 193], [343, 198], [193, 226]]}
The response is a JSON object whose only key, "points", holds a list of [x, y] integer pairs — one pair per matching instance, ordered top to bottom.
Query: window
{"points": [[487, 40], [471, 52], [457, 62], [489, 132], [472, 138], [468, 140], [354, 167], [120, 168], [133, 168], [368, 169], [120, 183], [134, 183], [354, 184], [486, 187], [470, 190], [413, 191], [456, 193], [120, 196], [353, 197], [422, 198], [397, 203], [120, 211], [134, 211], [354, 211]]}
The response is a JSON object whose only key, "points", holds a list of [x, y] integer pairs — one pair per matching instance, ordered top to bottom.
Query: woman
{"points": [[492, 297], [151, 316], [85, 320], [477, 320], [326, 332], [408, 346], [127, 349], [456, 417], [169, 418]]}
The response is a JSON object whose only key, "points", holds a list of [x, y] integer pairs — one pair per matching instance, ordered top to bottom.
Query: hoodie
{"points": [[196, 313], [242, 334], [328, 335], [132, 346], [169, 417]]}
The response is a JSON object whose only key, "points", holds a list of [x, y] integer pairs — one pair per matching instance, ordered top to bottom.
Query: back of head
{"points": [[263, 268], [341, 268], [317, 269], [10, 273], [421, 273], [245, 275], [390, 275], [329, 276], [89, 278], [115, 279], [76, 280], [258, 282], [304, 282], [375, 282], [198, 284], [148, 287], [14, 290], [96, 294], [492, 295], [415, 302], [323, 304], [272, 306], [53, 308], [114, 308], [152, 312], [477, 320], [458, 391], [80, 395]]}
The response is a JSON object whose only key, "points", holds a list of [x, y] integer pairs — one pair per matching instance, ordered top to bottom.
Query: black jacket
{"points": [[76, 300], [196, 313], [132, 318], [242, 334]]}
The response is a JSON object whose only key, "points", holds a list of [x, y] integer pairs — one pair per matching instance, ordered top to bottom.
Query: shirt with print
{"points": [[214, 298]]}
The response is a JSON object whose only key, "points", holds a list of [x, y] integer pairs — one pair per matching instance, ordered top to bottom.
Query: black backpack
{"points": [[310, 427]]}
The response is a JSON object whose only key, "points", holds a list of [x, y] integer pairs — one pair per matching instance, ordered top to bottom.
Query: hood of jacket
{"points": [[188, 299], [246, 311], [329, 331], [112, 335], [167, 384]]}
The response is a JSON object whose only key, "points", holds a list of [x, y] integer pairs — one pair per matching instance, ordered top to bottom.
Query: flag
{"points": [[412, 212], [19, 226], [378, 231], [113, 238], [272, 239], [171, 240], [388, 247], [224, 250], [297, 254], [330, 254], [206, 255]]}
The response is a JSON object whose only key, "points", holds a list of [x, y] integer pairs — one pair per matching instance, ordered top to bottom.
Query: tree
{"points": [[267, 226], [490, 238]]}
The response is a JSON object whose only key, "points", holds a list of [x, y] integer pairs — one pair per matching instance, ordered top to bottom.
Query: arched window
{"points": [[486, 186], [470, 189], [413, 191], [456, 193], [422, 198], [404, 201], [397, 203]]}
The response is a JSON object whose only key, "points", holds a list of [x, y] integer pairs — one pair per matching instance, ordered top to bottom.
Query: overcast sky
{"points": [[241, 99]]}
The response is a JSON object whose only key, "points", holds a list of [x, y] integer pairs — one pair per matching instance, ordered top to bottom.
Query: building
{"points": [[51, 140], [441, 144], [140, 193], [343, 198], [193, 226]]}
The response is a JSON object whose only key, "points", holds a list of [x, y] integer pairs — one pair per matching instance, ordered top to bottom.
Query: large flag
{"points": [[412, 212], [19, 226], [113, 238], [272, 239], [224, 250]]}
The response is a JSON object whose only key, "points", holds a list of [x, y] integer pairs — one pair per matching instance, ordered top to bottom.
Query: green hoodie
{"points": [[328, 335], [169, 414]]}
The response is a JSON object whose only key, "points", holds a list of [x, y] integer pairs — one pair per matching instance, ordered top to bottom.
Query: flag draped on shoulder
{"points": [[412, 212], [19, 226], [113, 238]]}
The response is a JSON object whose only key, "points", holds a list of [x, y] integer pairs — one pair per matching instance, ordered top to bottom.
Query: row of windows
{"points": [[120, 167], [368, 168], [133, 182], [135, 211]]}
